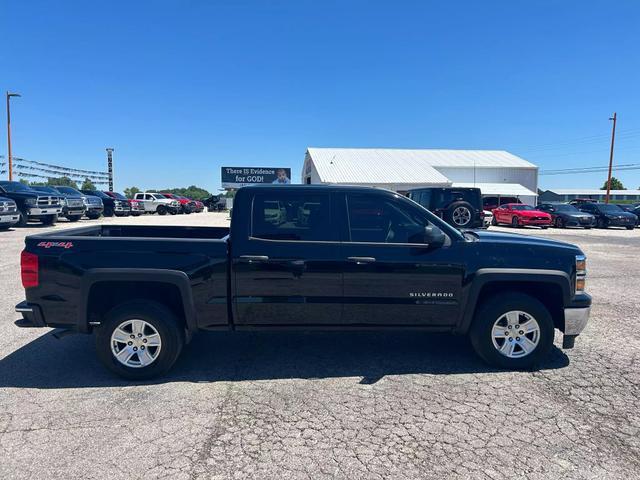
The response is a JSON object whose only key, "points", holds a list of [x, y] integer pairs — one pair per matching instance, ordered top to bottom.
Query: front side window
{"points": [[301, 217], [376, 219]]}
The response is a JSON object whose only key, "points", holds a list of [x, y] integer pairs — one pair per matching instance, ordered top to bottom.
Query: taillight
{"points": [[29, 269]]}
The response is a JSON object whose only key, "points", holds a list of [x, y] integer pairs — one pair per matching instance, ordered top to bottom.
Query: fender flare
{"points": [[486, 276], [174, 277]]}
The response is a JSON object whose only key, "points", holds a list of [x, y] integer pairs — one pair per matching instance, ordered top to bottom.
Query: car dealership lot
{"points": [[334, 405]]}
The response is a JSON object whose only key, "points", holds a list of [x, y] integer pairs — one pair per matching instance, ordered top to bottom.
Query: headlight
{"points": [[30, 201], [63, 202], [175, 203], [581, 272]]}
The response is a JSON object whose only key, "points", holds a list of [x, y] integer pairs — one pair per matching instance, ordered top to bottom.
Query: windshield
{"points": [[15, 187], [47, 190], [69, 190], [158, 195], [119, 196], [522, 207], [565, 208], [610, 208]]}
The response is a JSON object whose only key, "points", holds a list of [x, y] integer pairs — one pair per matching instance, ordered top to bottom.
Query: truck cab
{"points": [[154, 202]]}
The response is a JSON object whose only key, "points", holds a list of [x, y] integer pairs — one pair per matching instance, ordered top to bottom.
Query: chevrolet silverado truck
{"points": [[310, 257]]}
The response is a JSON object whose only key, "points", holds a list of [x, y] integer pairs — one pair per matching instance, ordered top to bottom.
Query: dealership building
{"points": [[495, 172], [565, 195]]}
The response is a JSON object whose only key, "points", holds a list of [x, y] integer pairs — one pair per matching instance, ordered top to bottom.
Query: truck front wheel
{"points": [[513, 331], [139, 340]]}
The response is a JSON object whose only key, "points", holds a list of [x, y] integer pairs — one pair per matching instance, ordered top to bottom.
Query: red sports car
{"points": [[520, 215]]}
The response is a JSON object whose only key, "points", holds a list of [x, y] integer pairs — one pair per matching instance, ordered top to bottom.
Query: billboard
{"points": [[236, 177]]}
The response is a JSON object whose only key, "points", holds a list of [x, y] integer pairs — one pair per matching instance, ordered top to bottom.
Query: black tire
{"points": [[161, 210], [108, 212], [173, 212], [93, 216], [74, 218], [452, 218], [22, 219], [49, 220], [494, 222], [514, 222], [559, 223], [602, 223], [4, 227], [544, 227], [628, 227], [587, 228], [494, 308], [161, 318]]}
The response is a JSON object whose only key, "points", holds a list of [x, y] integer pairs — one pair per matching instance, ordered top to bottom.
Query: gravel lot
{"points": [[330, 405]]}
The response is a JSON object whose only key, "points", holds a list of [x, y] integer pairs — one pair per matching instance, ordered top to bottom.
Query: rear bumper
{"points": [[31, 316]]}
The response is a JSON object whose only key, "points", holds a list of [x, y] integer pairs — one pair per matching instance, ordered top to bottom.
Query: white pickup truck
{"points": [[157, 203]]}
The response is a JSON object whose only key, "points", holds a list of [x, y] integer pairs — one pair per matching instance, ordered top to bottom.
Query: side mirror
{"points": [[434, 237]]}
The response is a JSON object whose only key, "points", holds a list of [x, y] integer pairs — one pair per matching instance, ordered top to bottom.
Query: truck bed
{"points": [[142, 231], [77, 267]]}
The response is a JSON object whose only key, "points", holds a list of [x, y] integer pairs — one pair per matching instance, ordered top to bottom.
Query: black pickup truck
{"points": [[312, 257]]}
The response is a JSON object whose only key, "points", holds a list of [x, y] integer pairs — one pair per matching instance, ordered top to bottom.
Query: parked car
{"points": [[582, 201], [154, 202], [214, 203], [491, 203], [93, 204], [32, 205], [186, 205], [112, 206], [199, 206], [73, 207], [136, 207], [459, 207], [631, 208], [9, 215], [520, 215], [564, 215], [610, 215], [487, 218], [341, 257]]}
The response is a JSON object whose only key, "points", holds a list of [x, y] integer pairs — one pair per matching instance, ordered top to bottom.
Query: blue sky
{"points": [[180, 88]]}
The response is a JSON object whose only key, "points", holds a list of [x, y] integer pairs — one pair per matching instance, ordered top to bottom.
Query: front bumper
{"points": [[37, 211], [72, 211], [9, 219], [539, 223], [575, 320]]}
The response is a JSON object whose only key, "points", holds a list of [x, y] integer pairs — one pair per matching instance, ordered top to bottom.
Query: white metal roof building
{"points": [[495, 172], [566, 194]]}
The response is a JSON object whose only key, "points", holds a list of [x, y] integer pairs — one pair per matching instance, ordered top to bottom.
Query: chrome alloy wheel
{"points": [[461, 216], [515, 334], [135, 343]]}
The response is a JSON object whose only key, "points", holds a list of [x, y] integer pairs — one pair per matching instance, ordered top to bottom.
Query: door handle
{"points": [[254, 258], [361, 260]]}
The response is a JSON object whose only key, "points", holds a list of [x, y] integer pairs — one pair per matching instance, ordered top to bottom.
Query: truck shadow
{"points": [[241, 356]]}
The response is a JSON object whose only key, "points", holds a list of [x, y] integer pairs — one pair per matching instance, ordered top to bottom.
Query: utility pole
{"points": [[9, 95], [613, 139], [110, 167]]}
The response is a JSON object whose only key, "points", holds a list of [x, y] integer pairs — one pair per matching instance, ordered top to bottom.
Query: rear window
{"points": [[300, 217]]}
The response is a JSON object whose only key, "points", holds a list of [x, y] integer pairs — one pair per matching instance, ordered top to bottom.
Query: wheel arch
{"points": [[551, 287], [103, 289]]}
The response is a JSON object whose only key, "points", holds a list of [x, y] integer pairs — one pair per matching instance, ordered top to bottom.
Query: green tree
{"points": [[62, 181], [615, 184], [88, 185], [131, 191], [193, 192]]}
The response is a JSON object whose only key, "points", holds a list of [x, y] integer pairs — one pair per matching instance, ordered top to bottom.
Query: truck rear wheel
{"points": [[512, 330], [139, 340]]}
